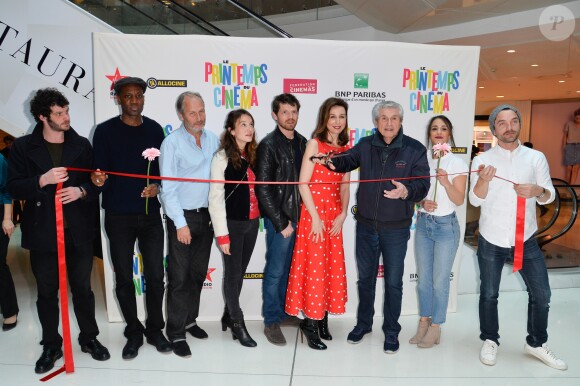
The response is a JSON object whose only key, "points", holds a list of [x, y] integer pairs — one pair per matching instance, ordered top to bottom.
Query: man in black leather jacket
{"points": [[279, 159]]}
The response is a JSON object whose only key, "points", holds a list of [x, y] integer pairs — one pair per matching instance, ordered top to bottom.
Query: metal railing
{"points": [[205, 17]]}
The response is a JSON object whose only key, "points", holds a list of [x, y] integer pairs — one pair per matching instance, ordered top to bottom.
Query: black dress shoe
{"points": [[8, 326], [197, 332], [158, 340], [131, 348], [181, 348], [96, 349], [47, 359]]}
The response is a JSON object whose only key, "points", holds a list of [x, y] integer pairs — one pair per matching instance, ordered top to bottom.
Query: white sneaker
{"points": [[488, 353], [547, 356]]}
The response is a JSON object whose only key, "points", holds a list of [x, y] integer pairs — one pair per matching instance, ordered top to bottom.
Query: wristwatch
{"points": [[543, 193]]}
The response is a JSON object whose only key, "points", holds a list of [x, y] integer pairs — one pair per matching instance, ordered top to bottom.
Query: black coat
{"points": [[405, 157], [29, 159], [276, 162]]}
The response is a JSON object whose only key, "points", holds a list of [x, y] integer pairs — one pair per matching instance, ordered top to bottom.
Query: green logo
{"points": [[361, 80]]}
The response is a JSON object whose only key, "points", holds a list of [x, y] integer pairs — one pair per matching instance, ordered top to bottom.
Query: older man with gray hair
{"points": [[187, 152], [529, 171], [384, 214]]}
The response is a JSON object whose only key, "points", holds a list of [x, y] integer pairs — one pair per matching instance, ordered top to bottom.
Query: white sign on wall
{"points": [[247, 73]]}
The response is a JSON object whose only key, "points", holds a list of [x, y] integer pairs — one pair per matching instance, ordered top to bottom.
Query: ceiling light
{"points": [[511, 51], [534, 65], [561, 81], [481, 87], [578, 91], [499, 96]]}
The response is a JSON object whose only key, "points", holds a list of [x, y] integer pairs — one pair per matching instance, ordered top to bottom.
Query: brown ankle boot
{"points": [[421, 331], [433, 336]]}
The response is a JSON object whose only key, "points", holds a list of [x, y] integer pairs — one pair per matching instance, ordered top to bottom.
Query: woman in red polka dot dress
{"points": [[317, 281]]}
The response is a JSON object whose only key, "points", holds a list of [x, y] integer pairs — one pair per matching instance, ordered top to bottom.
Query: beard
{"points": [[289, 124], [65, 126], [509, 137]]}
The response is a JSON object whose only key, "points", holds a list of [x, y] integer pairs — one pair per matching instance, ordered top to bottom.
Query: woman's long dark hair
{"points": [[324, 114], [228, 142]]}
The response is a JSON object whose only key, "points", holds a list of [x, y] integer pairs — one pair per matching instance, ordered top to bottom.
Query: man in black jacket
{"points": [[279, 159], [38, 162], [384, 214]]}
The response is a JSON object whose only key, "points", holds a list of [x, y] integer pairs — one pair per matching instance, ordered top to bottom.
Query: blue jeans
{"points": [[436, 243], [370, 244], [278, 258], [491, 259]]}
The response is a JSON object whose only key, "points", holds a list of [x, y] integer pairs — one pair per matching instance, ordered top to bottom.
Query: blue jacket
{"points": [[404, 157]]}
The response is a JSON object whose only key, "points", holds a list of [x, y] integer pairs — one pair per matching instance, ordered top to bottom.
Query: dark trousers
{"points": [[147, 230], [243, 236], [370, 245], [491, 259], [79, 263], [186, 272], [8, 302]]}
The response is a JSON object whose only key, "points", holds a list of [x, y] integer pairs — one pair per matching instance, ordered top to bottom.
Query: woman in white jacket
{"points": [[234, 212]]}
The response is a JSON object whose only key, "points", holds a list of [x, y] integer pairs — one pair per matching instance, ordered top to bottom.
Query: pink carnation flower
{"points": [[440, 149], [151, 153]]}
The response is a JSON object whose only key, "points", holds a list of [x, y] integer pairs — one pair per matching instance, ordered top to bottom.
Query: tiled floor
{"points": [[222, 361]]}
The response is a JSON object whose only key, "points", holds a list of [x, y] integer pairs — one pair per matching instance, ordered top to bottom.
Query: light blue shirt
{"points": [[181, 157]]}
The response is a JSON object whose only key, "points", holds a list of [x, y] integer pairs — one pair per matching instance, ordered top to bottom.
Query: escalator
{"points": [[556, 235]]}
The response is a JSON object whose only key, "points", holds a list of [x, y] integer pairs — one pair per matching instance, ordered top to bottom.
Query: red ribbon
{"points": [[165, 178], [520, 218], [520, 222], [69, 365]]}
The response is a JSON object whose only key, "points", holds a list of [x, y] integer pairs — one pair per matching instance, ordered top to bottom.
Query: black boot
{"points": [[226, 321], [309, 328], [323, 328], [240, 332]]}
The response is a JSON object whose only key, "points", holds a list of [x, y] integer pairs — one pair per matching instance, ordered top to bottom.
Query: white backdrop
{"points": [[37, 51], [243, 72]]}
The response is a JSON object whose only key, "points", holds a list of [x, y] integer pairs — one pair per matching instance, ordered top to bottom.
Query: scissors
{"points": [[331, 154]]}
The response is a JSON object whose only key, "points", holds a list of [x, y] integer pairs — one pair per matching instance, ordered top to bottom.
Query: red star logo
{"points": [[115, 77], [208, 275]]}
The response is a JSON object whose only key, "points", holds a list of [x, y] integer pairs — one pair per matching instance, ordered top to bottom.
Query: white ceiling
{"points": [[496, 26]]}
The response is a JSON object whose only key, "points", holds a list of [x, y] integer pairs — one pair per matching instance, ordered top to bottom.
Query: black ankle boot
{"points": [[226, 321], [309, 328], [323, 328], [240, 333]]}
